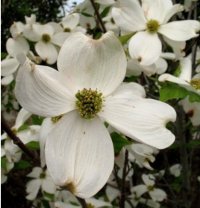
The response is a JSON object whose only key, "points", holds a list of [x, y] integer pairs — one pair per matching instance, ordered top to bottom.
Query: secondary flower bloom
{"points": [[148, 21], [185, 78], [85, 92], [40, 180], [149, 186]]}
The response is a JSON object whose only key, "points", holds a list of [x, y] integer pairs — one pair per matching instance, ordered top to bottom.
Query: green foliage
{"points": [[124, 39], [169, 91], [37, 120], [119, 142], [33, 145], [22, 164]]}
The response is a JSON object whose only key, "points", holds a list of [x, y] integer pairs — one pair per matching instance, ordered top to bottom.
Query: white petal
{"points": [[156, 9], [172, 11], [129, 16], [70, 21], [56, 27], [43, 29], [180, 30], [30, 34], [59, 38], [17, 46], [145, 47], [178, 48], [47, 52], [97, 64], [9, 66], [161, 66], [133, 68], [186, 69], [171, 78], [7, 80], [40, 90], [129, 90], [193, 111], [22, 116], [130, 118], [47, 126], [82, 154], [35, 173], [149, 180], [48, 185], [32, 188], [139, 190], [158, 195], [98, 203]]}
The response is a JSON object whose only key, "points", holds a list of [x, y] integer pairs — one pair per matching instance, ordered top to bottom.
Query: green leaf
{"points": [[105, 11], [124, 39], [169, 91], [37, 120], [23, 127], [119, 142], [33, 145], [3, 163], [22, 164], [48, 195]]}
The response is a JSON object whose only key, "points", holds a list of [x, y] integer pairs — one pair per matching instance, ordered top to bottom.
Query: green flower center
{"points": [[152, 26], [46, 38], [195, 83], [89, 102], [42, 175], [89, 205]]}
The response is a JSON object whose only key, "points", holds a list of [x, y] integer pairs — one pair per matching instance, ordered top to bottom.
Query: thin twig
{"points": [[103, 28], [17, 140], [183, 156], [123, 185], [82, 202]]}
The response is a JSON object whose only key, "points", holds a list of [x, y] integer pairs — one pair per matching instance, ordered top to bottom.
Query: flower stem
{"points": [[103, 28], [17, 140], [123, 185], [82, 202]]}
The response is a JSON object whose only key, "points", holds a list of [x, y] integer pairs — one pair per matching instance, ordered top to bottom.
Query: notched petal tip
{"points": [[69, 186]]}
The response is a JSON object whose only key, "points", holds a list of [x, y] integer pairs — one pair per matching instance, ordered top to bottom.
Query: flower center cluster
{"points": [[152, 26], [66, 29], [46, 38], [195, 83], [89, 102]]}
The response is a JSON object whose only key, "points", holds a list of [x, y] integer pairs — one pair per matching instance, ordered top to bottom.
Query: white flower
{"points": [[148, 21], [68, 24], [14, 46], [45, 47], [135, 68], [185, 78], [192, 110], [142, 154], [81, 157], [175, 170], [41, 179], [155, 193]]}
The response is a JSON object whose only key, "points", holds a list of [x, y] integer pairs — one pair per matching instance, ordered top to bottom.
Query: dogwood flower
{"points": [[148, 21], [9, 65], [185, 78], [85, 92], [40, 180], [149, 182]]}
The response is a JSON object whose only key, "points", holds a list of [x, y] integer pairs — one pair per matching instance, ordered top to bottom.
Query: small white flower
{"points": [[185, 78], [87, 90], [175, 170], [41, 180], [155, 193]]}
